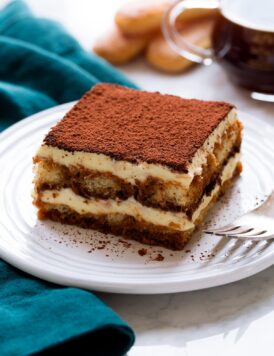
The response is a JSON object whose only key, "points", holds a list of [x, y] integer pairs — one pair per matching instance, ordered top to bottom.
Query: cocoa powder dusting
{"points": [[138, 126], [142, 251], [159, 257]]}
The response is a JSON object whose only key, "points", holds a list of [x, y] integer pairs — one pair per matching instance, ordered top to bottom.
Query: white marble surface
{"points": [[235, 319]]}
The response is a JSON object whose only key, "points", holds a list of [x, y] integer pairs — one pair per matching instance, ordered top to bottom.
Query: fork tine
{"points": [[222, 229], [236, 230], [241, 230], [244, 231], [254, 231], [265, 235], [260, 236], [251, 237], [257, 237]]}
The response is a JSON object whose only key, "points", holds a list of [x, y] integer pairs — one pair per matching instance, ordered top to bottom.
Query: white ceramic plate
{"points": [[72, 256]]}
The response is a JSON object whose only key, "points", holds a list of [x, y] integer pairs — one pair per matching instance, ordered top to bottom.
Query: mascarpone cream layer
{"points": [[130, 171], [173, 220]]}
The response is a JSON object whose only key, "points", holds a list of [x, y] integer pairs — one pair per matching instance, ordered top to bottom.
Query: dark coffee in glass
{"points": [[242, 40]]}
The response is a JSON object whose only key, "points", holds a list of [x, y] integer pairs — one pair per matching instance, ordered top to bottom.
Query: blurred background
{"points": [[89, 20]]}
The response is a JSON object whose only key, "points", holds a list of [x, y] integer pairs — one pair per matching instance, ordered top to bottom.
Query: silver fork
{"points": [[256, 225]]}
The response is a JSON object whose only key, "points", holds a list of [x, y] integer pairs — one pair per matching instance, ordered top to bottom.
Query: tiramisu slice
{"points": [[143, 165]]}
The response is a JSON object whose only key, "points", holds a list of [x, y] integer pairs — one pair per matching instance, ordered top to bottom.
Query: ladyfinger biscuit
{"points": [[196, 14], [139, 17], [116, 48], [161, 56]]}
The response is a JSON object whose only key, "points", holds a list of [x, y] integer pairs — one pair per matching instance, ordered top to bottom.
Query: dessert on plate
{"points": [[141, 165]]}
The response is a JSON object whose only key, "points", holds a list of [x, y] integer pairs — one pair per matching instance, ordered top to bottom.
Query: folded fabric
{"points": [[42, 66], [39, 317]]}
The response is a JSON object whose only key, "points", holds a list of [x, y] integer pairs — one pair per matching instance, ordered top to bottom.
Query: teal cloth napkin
{"points": [[43, 66]]}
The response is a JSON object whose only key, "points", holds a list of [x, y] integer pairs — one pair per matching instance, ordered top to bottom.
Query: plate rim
{"points": [[243, 271]]}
